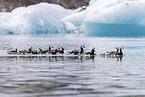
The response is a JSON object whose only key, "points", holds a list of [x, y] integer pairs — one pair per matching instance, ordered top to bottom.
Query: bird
{"points": [[30, 48], [50, 48], [82, 49], [12, 51], [23, 51], [29, 51], [45, 51], [61, 51], [35, 52], [38, 52], [53, 52], [75, 52], [92, 52], [112, 52], [119, 53], [102, 54]]}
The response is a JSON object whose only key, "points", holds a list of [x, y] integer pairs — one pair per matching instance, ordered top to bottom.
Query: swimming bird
{"points": [[30, 48], [50, 48], [82, 49], [12, 51], [23, 51], [29, 51], [45, 51], [61, 51], [35, 52], [38, 52], [53, 52], [75, 52], [92, 52], [113, 52], [119, 53], [102, 54]]}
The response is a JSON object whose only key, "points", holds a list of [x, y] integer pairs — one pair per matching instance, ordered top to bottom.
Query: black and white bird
{"points": [[12, 51], [61, 51], [53, 52], [75, 52], [92, 52], [120, 53]]}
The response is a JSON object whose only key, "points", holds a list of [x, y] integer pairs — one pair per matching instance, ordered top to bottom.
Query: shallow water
{"points": [[68, 76]]}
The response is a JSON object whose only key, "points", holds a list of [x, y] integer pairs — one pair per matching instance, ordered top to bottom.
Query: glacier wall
{"points": [[42, 18], [116, 18], [119, 18], [114, 30]]}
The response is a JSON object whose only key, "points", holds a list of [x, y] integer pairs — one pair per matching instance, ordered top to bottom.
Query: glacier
{"points": [[41, 18], [107, 18], [116, 18]]}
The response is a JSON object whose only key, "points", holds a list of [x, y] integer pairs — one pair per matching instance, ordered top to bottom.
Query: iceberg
{"points": [[41, 18], [116, 18]]}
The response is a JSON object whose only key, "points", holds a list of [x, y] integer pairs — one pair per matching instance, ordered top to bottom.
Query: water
{"points": [[69, 76]]}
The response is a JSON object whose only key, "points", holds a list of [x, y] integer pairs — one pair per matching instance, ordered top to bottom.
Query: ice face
{"points": [[127, 12], [42, 18], [112, 18], [121, 18]]}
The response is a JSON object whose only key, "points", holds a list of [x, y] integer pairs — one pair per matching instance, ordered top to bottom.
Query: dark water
{"points": [[69, 76]]}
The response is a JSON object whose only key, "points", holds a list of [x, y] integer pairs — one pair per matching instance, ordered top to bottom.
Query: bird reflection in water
{"points": [[52, 58], [55, 58], [61, 58], [71, 58], [82, 58], [119, 58]]}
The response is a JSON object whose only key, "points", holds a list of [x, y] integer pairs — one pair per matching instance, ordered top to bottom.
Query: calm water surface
{"points": [[69, 76]]}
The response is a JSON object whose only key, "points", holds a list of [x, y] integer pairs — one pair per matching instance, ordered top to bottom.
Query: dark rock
{"points": [[9, 5]]}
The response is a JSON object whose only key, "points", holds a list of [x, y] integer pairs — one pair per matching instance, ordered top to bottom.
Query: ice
{"points": [[42, 18], [113, 18], [121, 18]]}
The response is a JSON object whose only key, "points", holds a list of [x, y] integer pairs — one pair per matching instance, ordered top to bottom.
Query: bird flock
{"points": [[51, 51]]}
